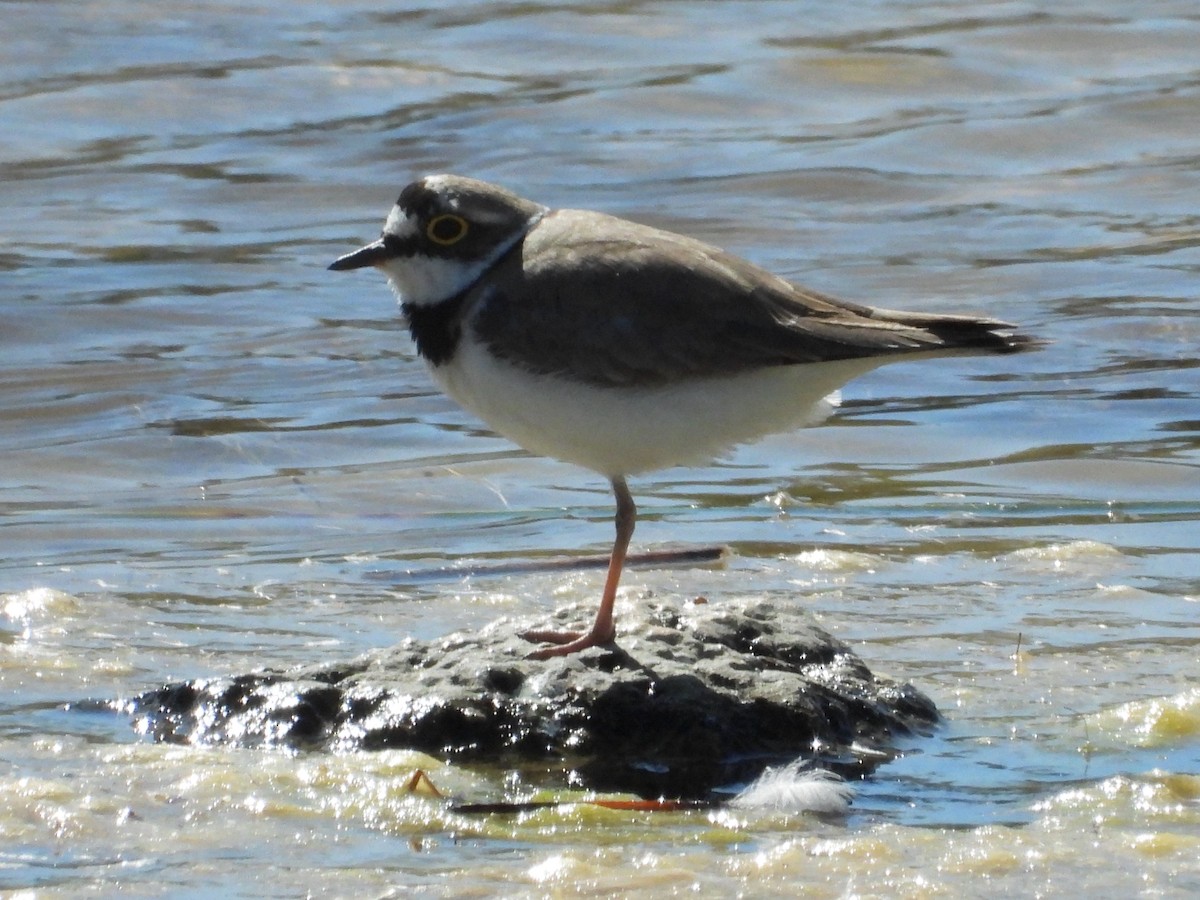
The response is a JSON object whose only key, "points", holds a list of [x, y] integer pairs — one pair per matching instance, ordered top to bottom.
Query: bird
{"points": [[625, 348]]}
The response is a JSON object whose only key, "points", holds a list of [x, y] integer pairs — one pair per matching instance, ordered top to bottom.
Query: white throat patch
{"points": [[426, 280]]}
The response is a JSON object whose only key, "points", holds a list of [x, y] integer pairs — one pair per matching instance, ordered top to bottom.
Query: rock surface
{"points": [[693, 696]]}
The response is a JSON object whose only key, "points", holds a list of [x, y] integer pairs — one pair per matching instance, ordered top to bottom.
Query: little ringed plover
{"points": [[625, 348]]}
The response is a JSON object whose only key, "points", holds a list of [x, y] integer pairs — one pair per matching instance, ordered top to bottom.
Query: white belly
{"points": [[627, 430]]}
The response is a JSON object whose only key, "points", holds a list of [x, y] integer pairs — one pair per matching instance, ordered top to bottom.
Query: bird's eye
{"points": [[446, 229]]}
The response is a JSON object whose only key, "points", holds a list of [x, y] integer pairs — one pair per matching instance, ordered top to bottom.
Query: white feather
{"points": [[797, 787]]}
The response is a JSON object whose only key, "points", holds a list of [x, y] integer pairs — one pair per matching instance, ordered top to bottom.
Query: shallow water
{"points": [[211, 444]]}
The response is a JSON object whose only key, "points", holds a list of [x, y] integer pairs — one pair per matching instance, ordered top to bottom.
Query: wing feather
{"points": [[608, 302]]}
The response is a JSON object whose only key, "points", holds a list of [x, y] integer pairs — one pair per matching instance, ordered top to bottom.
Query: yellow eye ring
{"points": [[446, 229]]}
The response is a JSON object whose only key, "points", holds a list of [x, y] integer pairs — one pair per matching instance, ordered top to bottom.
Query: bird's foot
{"points": [[564, 643]]}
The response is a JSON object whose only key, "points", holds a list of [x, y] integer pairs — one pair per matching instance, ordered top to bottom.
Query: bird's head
{"points": [[442, 234]]}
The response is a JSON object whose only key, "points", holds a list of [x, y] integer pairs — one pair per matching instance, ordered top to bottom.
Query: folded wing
{"points": [[608, 302]]}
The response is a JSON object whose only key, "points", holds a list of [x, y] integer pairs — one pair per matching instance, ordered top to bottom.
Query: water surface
{"points": [[210, 443]]}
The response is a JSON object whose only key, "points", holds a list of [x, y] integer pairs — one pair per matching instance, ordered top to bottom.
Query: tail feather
{"points": [[961, 331]]}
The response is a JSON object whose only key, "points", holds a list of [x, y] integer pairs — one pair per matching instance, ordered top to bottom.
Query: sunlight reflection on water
{"points": [[209, 444]]}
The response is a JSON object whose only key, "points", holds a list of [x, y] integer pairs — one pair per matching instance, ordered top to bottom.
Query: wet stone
{"points": [[692, 697]]}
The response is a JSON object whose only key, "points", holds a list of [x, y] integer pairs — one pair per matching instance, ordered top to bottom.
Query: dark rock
{"points": [[692, 697]]}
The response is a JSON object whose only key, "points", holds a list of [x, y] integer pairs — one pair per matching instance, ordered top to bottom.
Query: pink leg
{"points": [[604, 629]]}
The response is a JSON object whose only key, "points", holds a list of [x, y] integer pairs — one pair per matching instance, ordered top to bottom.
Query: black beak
{"points": [[371, 255]]}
